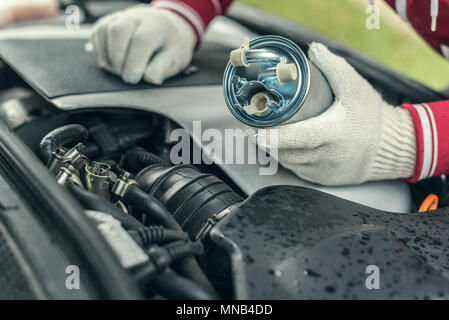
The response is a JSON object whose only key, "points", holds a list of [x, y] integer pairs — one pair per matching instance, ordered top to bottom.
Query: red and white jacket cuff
{"points": [[199, 13], [431, 121]]}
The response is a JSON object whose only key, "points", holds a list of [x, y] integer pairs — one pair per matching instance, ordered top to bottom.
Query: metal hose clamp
{"points": [[122, 185]]}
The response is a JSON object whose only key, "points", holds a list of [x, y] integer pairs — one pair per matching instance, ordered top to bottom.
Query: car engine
{"points": [[210, 230]]}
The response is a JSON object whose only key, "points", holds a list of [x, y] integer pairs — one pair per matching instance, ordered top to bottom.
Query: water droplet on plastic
{"points": [[276, 273]]}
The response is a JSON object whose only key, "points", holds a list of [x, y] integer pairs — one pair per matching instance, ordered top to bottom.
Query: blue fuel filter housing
{"points": [[269, 81]]}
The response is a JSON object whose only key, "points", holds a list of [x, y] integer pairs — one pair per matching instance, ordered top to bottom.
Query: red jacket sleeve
{"points": [[199, 13], [420, 14], [431, 19], [431, 122]]}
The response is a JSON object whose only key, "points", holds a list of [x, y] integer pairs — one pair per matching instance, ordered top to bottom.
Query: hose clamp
{"points": [[122, 185], [212, 221]]}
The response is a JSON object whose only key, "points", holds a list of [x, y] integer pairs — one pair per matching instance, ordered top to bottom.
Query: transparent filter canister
{"points": [[269, 81]]}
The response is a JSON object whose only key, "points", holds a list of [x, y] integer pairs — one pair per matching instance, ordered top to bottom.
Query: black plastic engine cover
{"points": [[61, 67], [289, 242]]}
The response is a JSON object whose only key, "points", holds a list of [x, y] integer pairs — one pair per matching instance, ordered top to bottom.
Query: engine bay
{"points": [[206, 229]]}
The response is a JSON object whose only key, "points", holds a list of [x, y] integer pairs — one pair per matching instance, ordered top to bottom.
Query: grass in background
{"points": [[395, 44]]}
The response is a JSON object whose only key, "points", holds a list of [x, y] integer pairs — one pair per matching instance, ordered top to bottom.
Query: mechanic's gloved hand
{"points": [[13, 11], [144, 42], [359, 138]]}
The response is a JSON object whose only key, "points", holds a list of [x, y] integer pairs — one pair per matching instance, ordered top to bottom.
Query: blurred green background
{"points": [[395, 44]]}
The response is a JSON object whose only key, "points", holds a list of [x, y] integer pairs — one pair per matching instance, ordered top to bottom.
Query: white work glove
{"points": [[13, 11], [144, 42], [358, 139]]}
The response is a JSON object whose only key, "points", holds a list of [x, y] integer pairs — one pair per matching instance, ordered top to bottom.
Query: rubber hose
{"points": [[72, 133], [138, 159], [115, 167], [91, 201], [142, 201], [156, 235], [181, 249], [162, 257], [173, 286]]}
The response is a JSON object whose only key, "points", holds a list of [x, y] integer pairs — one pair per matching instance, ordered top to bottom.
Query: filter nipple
{"points": [[238, 55], [286, 72], [258, 105]]}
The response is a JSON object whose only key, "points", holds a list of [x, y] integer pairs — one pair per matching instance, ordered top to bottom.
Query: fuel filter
{"points": [[270, 81]]}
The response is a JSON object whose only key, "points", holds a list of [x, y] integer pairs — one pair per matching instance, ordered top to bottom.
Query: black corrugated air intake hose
{"points": [[72, 133], [193, 198], [197, 201]]}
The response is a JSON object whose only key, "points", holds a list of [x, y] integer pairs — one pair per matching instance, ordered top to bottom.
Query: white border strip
{"points": [[218, 7], [401, 9], [434, 9], [186, 11], [445, 51], [435, 139], [427, 141]]}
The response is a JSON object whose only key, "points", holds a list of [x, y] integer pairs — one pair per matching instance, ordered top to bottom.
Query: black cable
{"points": [[72, 133], [126, 140], [92, 150], [138, 159], [115, 167], [91, 201], [152, 207], [156, 235], [180, 249], [174, 252], [162, 257], [173, 286]]}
